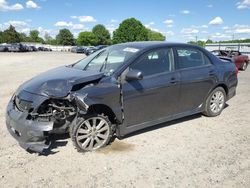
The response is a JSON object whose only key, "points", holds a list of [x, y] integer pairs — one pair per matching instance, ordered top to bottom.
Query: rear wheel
{"points": [[244, 66], [215, 102], [91, 132]]}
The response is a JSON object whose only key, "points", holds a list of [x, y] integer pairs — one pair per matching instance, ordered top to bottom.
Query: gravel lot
{"points": [[192, 152]]}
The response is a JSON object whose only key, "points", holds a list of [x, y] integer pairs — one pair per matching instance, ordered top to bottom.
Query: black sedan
{"points": [[4, 47], [17, 47], [119, 90]]}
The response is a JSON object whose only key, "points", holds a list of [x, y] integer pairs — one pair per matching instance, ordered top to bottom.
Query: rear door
{"points": [[198, 76]]}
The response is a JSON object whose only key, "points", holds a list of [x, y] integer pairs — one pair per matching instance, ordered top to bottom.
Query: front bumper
{"points": [[31, 135]]}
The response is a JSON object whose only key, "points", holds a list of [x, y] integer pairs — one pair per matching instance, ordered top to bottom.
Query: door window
{"points": [[188, 57], [155, 62]]}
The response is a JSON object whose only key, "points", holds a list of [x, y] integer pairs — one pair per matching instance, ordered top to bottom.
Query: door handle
{"points": [[173, 80]]}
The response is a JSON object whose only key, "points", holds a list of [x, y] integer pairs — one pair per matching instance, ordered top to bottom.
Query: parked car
{"points": [[17, 47], [99, 47], [3, 48], [33, 49], [44, 49], [73, 49], [78, 49], [93, 49], [89, 50], [241, 61], [118, 90]]}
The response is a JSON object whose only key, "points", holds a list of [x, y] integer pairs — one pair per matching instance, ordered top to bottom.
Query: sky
{"points": [[178, 20]]}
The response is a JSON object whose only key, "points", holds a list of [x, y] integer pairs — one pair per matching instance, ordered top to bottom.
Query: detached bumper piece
{"points": [[31, 135]]}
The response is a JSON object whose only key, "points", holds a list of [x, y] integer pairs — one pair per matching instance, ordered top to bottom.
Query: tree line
{"points": [[128, 31], [203, 43]]}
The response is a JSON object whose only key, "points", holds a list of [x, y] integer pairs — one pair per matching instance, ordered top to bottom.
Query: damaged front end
{"points": [[46, 105], [31, 119]]}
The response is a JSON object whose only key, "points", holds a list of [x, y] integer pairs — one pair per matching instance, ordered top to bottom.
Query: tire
{"points": [[244, 66], [215, 102], [91, 132]]}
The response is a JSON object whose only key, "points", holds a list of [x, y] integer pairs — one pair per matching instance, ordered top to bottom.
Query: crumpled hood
{"points": [[58, 82]]}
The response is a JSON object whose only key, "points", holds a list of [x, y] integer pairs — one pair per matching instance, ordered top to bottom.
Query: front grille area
{"points": [[23, 105]]}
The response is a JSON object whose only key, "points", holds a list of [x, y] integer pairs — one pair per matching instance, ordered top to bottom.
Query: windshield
{"points": [[107, 60]]}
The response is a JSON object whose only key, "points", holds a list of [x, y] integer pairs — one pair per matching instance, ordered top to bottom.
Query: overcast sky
{"points": [[179, 20]]}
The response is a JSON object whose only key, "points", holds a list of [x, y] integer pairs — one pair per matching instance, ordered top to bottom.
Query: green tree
{"points": [[130, 30], [10, 35], [102, 35], [155, 36], [1, 37], [23, 37], [34, 37], [47, 37], [65, 37], [86, 38], [49, 40], [209, 41], [235, 41], [198, 43], [201, 43]]}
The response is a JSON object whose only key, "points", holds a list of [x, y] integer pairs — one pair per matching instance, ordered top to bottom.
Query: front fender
{"points": [[107, 94]]}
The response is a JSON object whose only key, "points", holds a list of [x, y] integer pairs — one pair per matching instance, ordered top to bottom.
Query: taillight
{"points": [[236, 70]]}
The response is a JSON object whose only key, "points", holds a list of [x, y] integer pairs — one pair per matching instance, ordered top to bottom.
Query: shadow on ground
{"points": [[57, 141]]}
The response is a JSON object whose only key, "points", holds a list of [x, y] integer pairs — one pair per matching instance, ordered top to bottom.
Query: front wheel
{"points": [[244, 66], [215, 102], [91, 132]]}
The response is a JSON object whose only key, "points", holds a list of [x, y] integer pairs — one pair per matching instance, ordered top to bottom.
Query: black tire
{"points": [[244, 66], [208, 103], [75, 135]]}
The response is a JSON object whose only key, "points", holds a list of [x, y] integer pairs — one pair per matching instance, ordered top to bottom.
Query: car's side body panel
{"points": [[195, 84], [106, 92], [151, 98], [123, 130]]}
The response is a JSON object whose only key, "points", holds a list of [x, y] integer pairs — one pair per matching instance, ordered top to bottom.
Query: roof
{"points": [[152, 44]]}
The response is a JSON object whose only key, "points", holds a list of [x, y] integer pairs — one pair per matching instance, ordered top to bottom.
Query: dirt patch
{"points": [[117, 147]]}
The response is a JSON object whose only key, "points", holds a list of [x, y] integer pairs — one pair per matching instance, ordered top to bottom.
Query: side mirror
{"points": [[134, 75]]}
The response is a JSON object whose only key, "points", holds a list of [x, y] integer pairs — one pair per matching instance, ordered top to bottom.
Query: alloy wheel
{"points": [[244, 67], [217, 102], [93, 133]]}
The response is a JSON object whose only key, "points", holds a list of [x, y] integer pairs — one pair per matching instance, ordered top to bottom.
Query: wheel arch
{"points": [[224, 86], [103, 109]]}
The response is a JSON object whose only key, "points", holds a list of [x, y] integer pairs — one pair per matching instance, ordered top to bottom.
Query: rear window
{"points": [[188, 57]]}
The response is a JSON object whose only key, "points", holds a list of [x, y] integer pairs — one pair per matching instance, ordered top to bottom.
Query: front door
{"points": [[157, 94]]}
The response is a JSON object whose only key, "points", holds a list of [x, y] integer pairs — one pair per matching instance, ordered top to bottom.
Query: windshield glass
{"points": [[107, 60]]}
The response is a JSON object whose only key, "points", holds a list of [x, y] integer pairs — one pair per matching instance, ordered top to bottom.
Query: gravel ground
{"points": [[192, 152]]}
